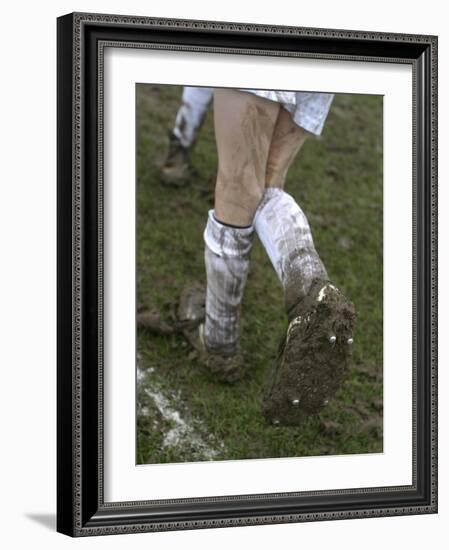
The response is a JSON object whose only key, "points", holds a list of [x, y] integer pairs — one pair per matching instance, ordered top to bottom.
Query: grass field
{"points": [[183, 413]]}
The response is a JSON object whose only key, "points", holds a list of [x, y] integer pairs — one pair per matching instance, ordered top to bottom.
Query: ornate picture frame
{"points": [[81, 507]]}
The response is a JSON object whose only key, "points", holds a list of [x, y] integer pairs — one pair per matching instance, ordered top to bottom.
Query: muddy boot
{"points": [[176, 169], [191, 313], [313, 358]]}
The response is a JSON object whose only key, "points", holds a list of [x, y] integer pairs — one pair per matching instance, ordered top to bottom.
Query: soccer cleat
{"points": [[176, 169], [191, 314], [313, 358]]}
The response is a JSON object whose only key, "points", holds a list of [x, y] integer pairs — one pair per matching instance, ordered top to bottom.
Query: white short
{"points": [[308, 109]]}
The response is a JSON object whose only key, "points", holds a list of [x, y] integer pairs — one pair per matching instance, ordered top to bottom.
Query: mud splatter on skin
{"points": [[287, 140], [243, 156], [237, 194], [310, 368]]}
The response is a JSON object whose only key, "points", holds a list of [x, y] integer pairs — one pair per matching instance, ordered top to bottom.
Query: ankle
{"points": [[227, 349]]}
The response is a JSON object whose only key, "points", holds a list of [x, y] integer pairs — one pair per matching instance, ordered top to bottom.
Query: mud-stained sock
{"points": [[191, 114], [284, 231], [226, 256]]}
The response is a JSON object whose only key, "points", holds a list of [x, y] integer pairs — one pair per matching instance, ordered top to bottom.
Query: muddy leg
{"points": [[244, 126], [182, 138], [287, 140], [280, 223], [314, 355]]}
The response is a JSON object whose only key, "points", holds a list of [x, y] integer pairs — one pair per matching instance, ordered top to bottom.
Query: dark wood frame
{"points": [[81, 509]]}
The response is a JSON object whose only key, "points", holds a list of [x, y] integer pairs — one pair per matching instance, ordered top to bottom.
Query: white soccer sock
{"points": [[195, 103], [284, 231], [226, 255]]}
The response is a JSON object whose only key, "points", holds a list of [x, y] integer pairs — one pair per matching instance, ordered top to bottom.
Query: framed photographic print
{"points": [[247, 271]]}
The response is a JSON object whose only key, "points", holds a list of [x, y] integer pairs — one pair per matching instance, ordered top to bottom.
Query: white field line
{"points": [[183, 433]]}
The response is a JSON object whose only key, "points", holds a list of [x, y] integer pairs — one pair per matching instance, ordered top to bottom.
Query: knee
{"points": [[240, 184]]}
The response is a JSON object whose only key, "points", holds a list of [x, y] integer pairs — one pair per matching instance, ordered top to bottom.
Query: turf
{"points": [[337, 180]]}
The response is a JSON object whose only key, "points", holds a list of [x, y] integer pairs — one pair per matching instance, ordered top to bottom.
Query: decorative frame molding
{"points": [[81, 41]]}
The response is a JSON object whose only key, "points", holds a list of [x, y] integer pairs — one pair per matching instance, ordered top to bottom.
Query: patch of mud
{"points": [[174, 431]]}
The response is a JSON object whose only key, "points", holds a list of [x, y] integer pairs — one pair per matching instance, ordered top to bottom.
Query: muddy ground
{"points": [[183, 413]]}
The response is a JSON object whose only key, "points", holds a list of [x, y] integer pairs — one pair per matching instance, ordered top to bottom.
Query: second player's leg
{"points": [[191, 114], [182, 138]]}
